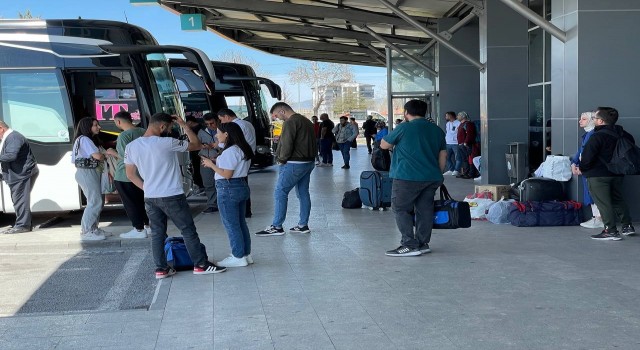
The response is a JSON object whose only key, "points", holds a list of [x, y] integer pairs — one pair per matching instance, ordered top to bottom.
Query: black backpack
{"points": [[626, 155], [381, 159], [351, 199]]}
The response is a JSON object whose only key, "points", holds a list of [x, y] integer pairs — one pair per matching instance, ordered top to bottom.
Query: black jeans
{"points": [[608, 196], [409, 197], [133, 202], [175, 208]]}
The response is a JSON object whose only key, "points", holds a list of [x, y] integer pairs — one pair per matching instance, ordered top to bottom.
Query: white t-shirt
{"points": [[248, 131], [452, 132], [85, 147], [232, 159], [157, 162]]}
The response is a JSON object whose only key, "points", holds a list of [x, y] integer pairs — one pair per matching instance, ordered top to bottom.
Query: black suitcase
{"points": [[541, 189]]}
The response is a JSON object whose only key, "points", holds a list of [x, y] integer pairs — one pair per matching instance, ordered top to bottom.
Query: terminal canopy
{"points": [[322, 30]]}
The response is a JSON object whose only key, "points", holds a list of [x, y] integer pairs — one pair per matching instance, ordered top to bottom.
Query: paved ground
{"points": [[487, 287]]}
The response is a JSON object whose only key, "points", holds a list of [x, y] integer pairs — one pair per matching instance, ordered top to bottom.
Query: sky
{"points": [[165, 27]]}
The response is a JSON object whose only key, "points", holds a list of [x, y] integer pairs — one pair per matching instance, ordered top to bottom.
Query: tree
{"points": [[26, 15], [233, 56], [317, 74], [349, 101]]}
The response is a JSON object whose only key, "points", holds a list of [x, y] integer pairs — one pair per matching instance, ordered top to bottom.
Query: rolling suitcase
{"points": [[375, 189], [541, 189]]}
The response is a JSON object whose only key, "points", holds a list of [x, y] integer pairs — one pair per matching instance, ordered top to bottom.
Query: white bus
{"points": [[55, 72]]}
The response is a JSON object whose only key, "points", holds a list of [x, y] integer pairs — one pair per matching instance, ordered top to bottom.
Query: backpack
{"points": [[478, 126], [626, 155], [381, 159], [351, 199]]}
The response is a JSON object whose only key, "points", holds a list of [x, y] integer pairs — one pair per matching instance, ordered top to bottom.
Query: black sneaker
{"points": [[345, 167], [210, 210], [300, 229], [628, 230], [271, 231], [607, 235], [424, 249], [403, 251], [208, 268], [164, 273]]}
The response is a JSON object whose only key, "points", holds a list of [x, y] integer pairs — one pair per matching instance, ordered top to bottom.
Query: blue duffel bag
{"points": [[546, 213], [177, 255]]}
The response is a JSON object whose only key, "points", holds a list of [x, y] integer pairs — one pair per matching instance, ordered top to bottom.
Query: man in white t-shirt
{"points": [[228, 116], [451, 136], [152, 164]]}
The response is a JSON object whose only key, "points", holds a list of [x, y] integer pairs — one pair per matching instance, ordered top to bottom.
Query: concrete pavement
{"points": [[487, 287]]}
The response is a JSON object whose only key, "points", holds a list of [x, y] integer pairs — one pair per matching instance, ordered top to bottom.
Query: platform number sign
{"points": [[192, 22]]}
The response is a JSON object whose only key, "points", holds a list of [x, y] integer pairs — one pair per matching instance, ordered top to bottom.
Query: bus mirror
{"points": [[274, 89]]}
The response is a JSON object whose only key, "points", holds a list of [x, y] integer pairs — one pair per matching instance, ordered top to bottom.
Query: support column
{"points": [[597, 66], [459, 81], [503, 86]]}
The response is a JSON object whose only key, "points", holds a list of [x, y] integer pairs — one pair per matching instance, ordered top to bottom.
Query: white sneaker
{"points": [[320, 165], [448, 173], [455, 173], [478, 179], [593, 223], [148, 229], [102, 232], [134, 234], [92, 236], [249, 259], [232, 261]]}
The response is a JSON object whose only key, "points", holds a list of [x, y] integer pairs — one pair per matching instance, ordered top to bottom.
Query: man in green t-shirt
{"points": [[419, 159], [132, 197]]}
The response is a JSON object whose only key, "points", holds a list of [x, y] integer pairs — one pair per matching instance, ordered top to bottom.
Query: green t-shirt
{"points": [[123, 140], [417, 145]]}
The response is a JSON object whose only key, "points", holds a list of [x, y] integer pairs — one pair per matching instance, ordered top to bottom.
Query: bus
{"points": [[55, 72], [236, 87]]}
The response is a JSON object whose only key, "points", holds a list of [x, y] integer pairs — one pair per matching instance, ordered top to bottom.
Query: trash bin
{"points": [[517, 164]]}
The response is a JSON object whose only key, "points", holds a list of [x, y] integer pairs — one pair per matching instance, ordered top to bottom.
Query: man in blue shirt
{"points": [[419, 159]]}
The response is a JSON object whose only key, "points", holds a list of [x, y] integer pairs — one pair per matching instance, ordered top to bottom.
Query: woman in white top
{"points": [[86, 146], [231, 167]]}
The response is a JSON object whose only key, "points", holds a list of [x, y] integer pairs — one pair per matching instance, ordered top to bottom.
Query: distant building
{"points": [[337, 93]]}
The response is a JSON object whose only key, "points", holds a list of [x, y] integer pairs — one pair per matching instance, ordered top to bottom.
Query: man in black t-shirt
{"points": [[370, 131], [326, 140]]}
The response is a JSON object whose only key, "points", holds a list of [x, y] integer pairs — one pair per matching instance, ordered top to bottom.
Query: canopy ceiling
{"points": [[320, 30]]}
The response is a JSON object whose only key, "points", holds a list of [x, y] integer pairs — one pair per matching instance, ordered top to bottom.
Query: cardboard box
{"points": [[498, 191]]}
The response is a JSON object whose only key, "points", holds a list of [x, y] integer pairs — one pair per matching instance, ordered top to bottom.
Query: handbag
{"points": [[334, 146], [84, 163], [449, 213]]}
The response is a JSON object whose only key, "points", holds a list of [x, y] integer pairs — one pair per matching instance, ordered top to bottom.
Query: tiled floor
{"points": [[487, 287]]}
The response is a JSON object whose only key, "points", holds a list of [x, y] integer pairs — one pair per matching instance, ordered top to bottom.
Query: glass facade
{"points": [[411, 81], [539, 86]]}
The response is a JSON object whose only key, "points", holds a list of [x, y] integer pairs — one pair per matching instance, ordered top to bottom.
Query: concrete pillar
{"points": [[597, 66], [459, 80], [503, 87]]}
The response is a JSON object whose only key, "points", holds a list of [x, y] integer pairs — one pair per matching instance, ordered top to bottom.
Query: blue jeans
{"points": [[344, 149], [325, 151], [462, 158], [452, 163], [292, 175], [232, 202], [175, 208]]}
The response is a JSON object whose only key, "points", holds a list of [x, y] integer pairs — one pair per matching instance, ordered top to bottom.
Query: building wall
{"points": [[597, 66], [459, 80]]}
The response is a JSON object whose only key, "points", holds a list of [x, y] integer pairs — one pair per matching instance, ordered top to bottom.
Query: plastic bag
{"points": [[557, 168], [479, 207], [498, 213]]}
